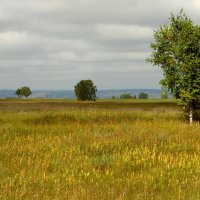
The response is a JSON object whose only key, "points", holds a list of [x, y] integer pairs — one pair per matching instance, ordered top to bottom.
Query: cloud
{"points": [[125, 32], [52, 44]]}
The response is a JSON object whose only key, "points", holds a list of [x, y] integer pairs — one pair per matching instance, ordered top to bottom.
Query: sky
{"points": [[53, 44]]}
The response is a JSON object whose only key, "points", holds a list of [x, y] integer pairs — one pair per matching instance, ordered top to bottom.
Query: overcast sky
{"points": [[53, 44]]}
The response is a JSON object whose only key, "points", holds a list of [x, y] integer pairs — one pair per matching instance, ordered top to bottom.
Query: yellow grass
{"points": [[103, 150]]}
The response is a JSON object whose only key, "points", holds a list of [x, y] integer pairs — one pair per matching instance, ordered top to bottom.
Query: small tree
{"points": [[177, 51], [85, 90], [23, 91], [18, 92], [143, 95], [127, 96]]}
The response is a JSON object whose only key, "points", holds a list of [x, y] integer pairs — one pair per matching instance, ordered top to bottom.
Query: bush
{"points": [[143, 95], [127, 96]]}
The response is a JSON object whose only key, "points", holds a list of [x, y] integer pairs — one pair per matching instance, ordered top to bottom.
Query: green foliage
{"points": [[177, 51], [85, 90], [23, 91], [18, 92], [164, 93], [143, 95], [127, 96], [113, 97]]}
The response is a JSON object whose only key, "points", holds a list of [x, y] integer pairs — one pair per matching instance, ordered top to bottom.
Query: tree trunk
{"points": [[191, 116]]}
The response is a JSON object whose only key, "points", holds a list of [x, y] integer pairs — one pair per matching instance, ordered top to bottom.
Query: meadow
{"points": [[104, 150]]}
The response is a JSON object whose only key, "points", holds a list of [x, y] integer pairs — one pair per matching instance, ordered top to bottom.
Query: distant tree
{"points": [[177, 51], [85, 90], [23, 91], [18, 92], [143, 95], [127, 96], [113, 97]]}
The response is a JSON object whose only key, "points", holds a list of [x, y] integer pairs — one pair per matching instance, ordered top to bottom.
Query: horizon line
{"points": [[97, 89]]}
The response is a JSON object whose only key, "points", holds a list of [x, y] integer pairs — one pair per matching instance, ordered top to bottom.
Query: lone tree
{"points": [[176, 49], [85, 90], [23, 91], [18, 92], [143, 95], [127, 96]]}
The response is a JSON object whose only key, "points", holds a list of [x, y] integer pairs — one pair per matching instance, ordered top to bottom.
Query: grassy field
{"points": [[58, 149]]}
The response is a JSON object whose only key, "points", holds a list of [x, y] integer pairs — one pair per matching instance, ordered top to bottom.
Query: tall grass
{"points": [[103, 150]]}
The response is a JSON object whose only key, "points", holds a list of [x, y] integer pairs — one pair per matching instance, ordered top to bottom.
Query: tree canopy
{"points": [[176, 49], [85, 90], [18, 91], [23, 91], [143, 95], [127, 96]]}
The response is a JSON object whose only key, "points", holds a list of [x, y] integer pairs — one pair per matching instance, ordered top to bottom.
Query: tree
{"points": [[176, 49], [85, 90], [23, 91], [18, 92], [143, 95], [127, 96]]}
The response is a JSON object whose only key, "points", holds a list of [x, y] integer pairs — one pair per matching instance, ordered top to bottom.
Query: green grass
{"points": [[57, 149]]}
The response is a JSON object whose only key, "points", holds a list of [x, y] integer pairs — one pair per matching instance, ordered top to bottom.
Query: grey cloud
{"points": [[52, 44]]}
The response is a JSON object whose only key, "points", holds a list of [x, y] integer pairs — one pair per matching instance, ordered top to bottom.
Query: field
{"points": [[61, 149]]}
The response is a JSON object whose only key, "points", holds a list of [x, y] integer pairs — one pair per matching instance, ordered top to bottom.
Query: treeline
{"points": [[85, 90], [142, 95]]}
